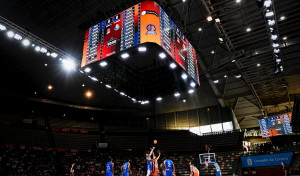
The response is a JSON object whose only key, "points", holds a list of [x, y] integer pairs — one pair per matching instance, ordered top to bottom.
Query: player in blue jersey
{"points": [[149, 162], [170, 167], [110, 168], [125, 169], [218, 169]]}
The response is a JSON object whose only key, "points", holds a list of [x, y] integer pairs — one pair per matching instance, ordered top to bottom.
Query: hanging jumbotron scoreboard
{"points": [[139, 24]]}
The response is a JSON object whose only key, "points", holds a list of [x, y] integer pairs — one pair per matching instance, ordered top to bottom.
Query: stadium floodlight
{"points": [[238, 1], [267, 3], [269, 14], [209, 18], [282, 18], [271, 22], [2, 27], [199, 29], [248, 29], [10, 34], [18, 37], [274, 37], [284, 38], [221, 39], [26, 42], [275, 45], [37, 48], [142, 49], [43, 50], [277, 51], [212, 52], [48, 54], [54, 55], [124, 55], [162, 55], [278, 60], [69, 64], [103, 64], [173, 65], [258, 65], [87, 70], [184, 76], [225, 76], [238, 76], [94, 79], [216, 81], [192, 84], [108, 86], [191, 91], [122, 93], [177, 94], [133, 99], [158, 99], [145, 102]]}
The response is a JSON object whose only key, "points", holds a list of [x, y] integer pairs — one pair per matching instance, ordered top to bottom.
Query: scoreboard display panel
{"points": [[142, 23], [275, 126]]}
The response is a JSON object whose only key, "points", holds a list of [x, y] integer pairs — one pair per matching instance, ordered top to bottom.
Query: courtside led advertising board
{"points": [[142, 23]]}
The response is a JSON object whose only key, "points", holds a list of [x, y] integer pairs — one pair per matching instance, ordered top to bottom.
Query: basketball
{"points": [[155, 141]]}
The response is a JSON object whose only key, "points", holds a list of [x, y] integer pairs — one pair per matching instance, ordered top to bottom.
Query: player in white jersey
{"points": [[149, 162]]}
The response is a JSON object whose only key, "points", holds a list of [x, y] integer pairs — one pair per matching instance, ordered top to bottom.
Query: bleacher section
{"points": [[73, 124], [14, 135], [75, 141]]}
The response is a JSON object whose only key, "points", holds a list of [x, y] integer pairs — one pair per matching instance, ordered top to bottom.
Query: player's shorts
{"points": [[149, 167], [154, 171], [108, 173], [169, 173], [125, 174], [195, 174], [218, 174]]}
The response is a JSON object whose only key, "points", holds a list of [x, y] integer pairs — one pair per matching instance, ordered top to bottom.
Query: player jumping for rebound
{"points": [[149, 162], [155, 164], [110, 168], [170, 168], [125, 169], [194, 170]]}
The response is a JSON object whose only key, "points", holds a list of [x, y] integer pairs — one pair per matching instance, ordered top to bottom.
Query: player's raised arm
{"points": [[158, 156]]}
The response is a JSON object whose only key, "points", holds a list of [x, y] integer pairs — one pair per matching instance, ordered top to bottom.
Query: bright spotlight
{"points": [[238, 1], [267, 3], [269, 14], [209, 18], [282, 18], [271, 22], [2, 27], [199, 29], [248, 29], [10, 34], [18, 37], [274, 37], [284, 38], [221, 39], [26, 42], [275, 45], [37, 48], [142, 49], [43, 50], [276, 51], [212, 52], [48, 54], [54, 55], [125, 55], [162, 55], [278, 60], [68, 64], [103, 64], [173, 65], [258, 65], [87, 70], [184, 76], [238, 76], [94, 79], [216, 81], [192, 84], [108, 86], [50, 87], [191, 91], [122, 93], [88, 94], [177, 94], [133, 99], [158, 99], [145, 102]]}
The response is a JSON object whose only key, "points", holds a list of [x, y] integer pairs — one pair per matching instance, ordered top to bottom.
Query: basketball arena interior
{"points": [[150, 87]]}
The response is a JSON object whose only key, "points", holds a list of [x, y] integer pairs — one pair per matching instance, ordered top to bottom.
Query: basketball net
{"points": [[206, 164]]}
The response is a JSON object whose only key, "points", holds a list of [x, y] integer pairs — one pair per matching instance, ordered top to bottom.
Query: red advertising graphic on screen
{"points": [[112, 36], [85, 45], [180, 48], [196, 65]]}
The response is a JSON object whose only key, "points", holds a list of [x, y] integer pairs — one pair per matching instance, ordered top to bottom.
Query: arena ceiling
{"points": [[257, 93]]}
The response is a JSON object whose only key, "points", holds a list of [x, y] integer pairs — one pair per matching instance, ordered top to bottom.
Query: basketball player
{"points": [[149, 162], [155, 164], [110, 168], [170, 168], [125, 169], [163, 169], [194, 170], [218, 170], [72, 173]]}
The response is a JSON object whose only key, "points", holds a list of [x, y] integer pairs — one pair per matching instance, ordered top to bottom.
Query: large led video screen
{"points": [[144, 22], [275, 126]]}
